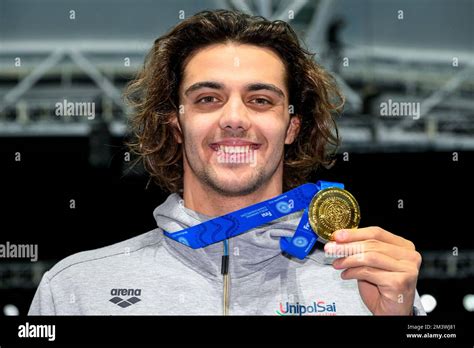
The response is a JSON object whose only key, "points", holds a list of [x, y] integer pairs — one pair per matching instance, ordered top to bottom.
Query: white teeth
{"points": [[234, 149]]}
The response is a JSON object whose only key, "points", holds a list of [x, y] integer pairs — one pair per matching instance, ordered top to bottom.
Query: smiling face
{"points": [[234, 118]]}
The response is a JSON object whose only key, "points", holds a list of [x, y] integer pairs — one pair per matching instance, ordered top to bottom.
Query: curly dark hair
{"points": [[154, 94]]}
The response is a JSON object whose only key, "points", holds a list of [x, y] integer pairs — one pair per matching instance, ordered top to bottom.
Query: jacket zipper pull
{"points": [[225, 264]]}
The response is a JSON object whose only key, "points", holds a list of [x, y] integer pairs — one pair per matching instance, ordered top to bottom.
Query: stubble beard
{"points": [[210, 178]]}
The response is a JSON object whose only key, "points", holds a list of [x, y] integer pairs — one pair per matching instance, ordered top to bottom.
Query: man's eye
{"points": [[205, 100], [261, 101]]}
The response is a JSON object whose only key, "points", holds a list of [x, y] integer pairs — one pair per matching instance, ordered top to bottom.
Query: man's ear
{"points": [[293, 129], [177, 132]]}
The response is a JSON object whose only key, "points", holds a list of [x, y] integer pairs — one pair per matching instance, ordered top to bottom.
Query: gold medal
{"points": [[333, 209]]}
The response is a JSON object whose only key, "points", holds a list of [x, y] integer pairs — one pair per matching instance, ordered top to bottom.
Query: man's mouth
{"points": [[231, 147], [234, 149], [236, 152]]}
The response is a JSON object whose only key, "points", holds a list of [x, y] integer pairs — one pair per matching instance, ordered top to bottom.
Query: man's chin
{"points": [[234, 188], [236, 191]]}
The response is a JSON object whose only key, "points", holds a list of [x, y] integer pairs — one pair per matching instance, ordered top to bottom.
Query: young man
{"points": [[230, 112]]}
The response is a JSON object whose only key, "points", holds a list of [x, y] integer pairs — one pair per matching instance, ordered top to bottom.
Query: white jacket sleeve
{"points": [[43, 303]]}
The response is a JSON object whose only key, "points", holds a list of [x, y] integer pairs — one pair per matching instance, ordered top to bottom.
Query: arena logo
{"points": [[67, 108], [394, 108], [124, 303], [316, 308]]}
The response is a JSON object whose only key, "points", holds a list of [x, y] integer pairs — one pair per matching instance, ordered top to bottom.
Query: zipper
{"points": [[226, 278]]}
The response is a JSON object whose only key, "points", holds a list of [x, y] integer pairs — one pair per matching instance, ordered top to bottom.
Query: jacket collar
{"points": [[249, 252]]}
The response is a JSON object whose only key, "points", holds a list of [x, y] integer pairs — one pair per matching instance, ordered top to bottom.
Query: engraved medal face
{"points": [[333, 209]]}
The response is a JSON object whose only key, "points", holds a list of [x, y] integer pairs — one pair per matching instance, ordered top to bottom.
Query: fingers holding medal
{"points": [[332, 209], [385, 265]]}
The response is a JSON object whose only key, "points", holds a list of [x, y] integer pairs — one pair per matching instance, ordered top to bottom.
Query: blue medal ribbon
{"points": [[237, 222]]}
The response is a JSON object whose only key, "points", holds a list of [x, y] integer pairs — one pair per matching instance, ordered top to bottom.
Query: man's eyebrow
{"points": [[203, 84], [267, 86], [250, 87]]}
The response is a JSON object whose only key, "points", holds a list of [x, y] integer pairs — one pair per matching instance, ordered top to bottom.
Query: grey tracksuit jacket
{"points": [[152, 274]]}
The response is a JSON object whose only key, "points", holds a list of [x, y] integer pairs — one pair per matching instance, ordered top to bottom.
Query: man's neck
{"points": [[211, 203]]}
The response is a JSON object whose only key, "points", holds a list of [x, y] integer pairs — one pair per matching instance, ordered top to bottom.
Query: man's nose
{"points": [[235, 115]]}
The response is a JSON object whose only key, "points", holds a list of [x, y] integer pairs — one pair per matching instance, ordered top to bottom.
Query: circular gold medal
{"points": [[333, 209]]}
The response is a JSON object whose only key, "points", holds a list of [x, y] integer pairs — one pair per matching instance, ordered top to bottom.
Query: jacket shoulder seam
{"points": [[99, 258]]}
